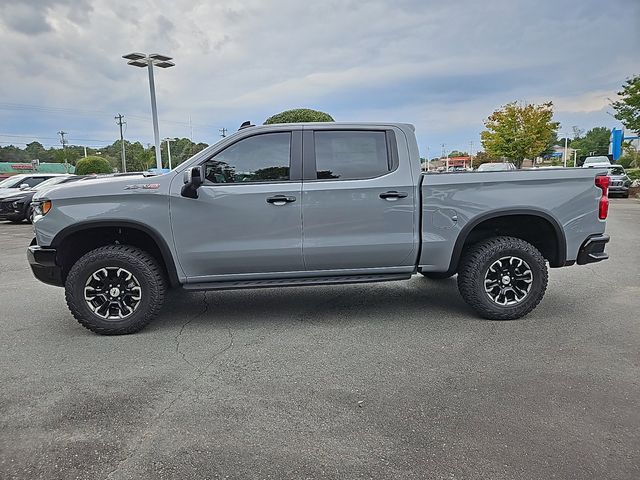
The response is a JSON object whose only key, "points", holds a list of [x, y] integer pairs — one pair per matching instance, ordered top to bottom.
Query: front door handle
{"points": [[393, 195], [280, 199]]}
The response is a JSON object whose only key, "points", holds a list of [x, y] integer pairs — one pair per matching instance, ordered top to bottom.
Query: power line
{"points": [[86, 112], [52, 138]]}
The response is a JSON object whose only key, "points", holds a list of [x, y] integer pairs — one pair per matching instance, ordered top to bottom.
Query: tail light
{"points": [[602, 182]]}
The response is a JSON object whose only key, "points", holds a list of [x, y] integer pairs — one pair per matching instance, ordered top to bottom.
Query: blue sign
{"points": [[615, 148]]}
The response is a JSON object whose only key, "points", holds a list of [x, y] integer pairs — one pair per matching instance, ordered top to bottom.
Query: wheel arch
{"points": [[69, 246], [555, 255]]}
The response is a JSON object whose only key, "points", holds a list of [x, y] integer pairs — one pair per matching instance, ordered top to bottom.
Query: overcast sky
{"points": [[441, 65]]}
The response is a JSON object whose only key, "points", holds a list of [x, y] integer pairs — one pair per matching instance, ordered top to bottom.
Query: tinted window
{"points": [[351, 154], [261, 158], [33, 181]]}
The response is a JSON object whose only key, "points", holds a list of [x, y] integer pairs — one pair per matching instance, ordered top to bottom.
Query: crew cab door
{"points": [[358, 200], [247, 217]]}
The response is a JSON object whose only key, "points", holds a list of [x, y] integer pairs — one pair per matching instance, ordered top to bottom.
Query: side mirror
{"points": [[193, 178], [24, 186]]}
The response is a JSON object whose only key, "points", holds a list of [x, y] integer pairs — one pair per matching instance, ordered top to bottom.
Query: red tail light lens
{"points": [[602, 182]]}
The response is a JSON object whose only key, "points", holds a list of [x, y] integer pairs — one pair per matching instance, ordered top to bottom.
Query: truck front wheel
{"points": [[502, 278], [115, 289]]}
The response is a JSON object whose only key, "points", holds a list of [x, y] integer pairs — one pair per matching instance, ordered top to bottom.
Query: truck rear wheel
{"points": [[502, 278], [115, 289]]}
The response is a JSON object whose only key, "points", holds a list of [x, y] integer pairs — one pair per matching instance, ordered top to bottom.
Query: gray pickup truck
{"points": [[313, 204]]}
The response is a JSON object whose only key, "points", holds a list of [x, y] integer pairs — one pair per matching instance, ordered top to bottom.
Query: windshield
{"points": [[600, 159], [615, 171], [11, 182], [50, 182]]}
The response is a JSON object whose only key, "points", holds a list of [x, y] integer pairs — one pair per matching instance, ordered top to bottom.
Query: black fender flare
{"points": [[561, 241], [167, 257]]}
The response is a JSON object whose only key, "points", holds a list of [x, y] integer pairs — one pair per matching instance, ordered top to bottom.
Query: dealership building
{"points": [[7, 168]]}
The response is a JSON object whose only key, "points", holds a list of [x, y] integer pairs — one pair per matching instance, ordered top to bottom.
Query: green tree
{"points": [[628, 107], [299, 115], [519, 131], [595, 142], [35, 150], [457, 153], [13, 154], [62, 155], [483, 157], [630, 158], [141, 160], [89, 165]]}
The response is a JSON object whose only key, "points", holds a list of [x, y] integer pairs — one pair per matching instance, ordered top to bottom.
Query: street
{"points": [[384, 380]]}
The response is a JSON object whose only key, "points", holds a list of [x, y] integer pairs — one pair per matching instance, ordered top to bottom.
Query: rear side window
{"points": [[351, 154], [261, 158]]}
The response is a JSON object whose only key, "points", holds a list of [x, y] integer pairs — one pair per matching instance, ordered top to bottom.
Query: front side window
{"points": [[351, 154], [261, 158], [33, 181]]}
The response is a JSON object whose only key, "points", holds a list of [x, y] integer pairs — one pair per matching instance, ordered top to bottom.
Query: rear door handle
{"points": [[393, 195], [280, 199]]}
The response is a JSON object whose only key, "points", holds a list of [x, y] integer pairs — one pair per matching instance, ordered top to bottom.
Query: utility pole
{"points": [[120, 122], [223, 132], [63, 141], [565, 150], [85, 152], [471, 154], [445, 158]]}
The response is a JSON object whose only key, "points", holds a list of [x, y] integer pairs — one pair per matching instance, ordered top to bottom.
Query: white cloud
{"points": [[441, 65]]}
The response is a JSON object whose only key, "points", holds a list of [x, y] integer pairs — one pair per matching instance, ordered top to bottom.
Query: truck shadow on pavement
{"points": [[418, 298]]}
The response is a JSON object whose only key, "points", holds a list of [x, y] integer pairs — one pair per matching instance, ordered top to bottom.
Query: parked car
{"points": [[596, 162], [496, 167], [25, 181], [619, 182], [315, 204], [17, 206]]}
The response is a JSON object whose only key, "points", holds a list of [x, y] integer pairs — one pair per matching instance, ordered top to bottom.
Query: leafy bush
{"points": [[299, 115], [88, 165], [633, 173]]}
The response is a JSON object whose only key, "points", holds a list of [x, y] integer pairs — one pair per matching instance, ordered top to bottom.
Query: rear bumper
{"points": [[592, 250], [43, 265]]}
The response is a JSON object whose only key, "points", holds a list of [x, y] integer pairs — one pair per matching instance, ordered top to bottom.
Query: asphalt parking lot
{"points": [[384, 381]]}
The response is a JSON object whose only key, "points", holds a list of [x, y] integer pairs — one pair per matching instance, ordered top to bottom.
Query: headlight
{"points": [[15, 205], [45, 207], [40, 209]]}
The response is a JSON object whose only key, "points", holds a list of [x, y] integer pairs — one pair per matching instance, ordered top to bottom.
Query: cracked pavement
{"points": [[386, 380]]}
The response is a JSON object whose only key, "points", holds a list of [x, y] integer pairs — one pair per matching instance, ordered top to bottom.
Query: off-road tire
{"points": [[475, 264], [142, 265], [437, 275]]}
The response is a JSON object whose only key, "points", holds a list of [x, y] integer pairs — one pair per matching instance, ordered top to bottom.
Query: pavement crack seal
{"points": [[184, 325], [147, 435]]}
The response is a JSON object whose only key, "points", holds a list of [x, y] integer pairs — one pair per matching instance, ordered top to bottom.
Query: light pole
{"points": [[149, 61], [169, 140], [565, 154]]}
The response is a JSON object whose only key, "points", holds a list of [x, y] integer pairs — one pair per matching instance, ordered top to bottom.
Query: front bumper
{"points": [[618, 189], [8, 212], [592, 250], [43, 265]]}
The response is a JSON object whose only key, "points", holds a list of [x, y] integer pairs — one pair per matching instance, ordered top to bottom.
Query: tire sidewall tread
{"points": [[477, 260], [143, 266]]}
